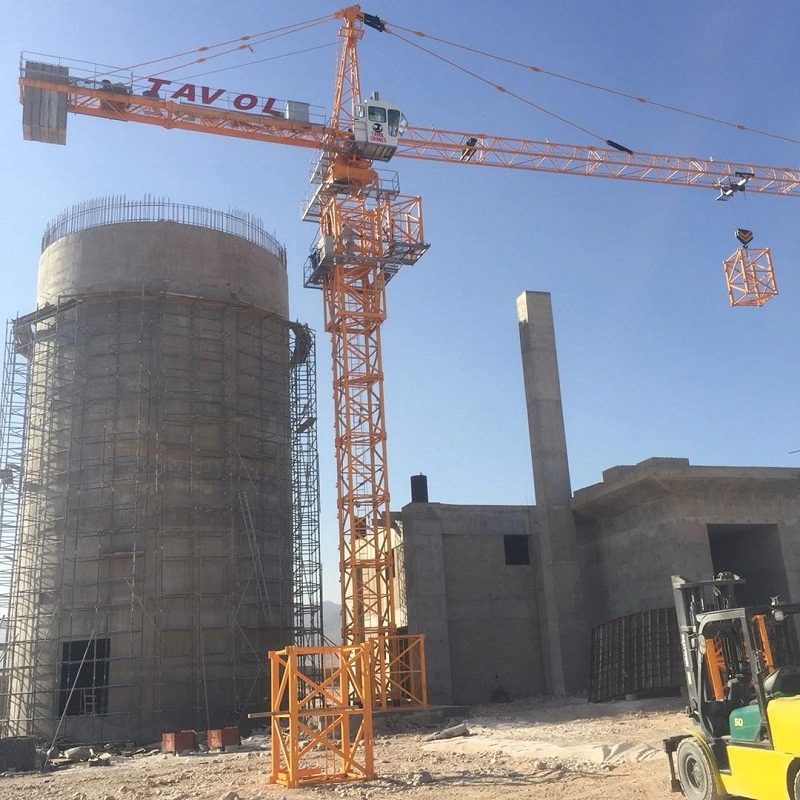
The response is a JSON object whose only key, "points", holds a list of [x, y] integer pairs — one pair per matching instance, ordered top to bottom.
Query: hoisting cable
{"points": [[249, 40], [252, 41], [259, 61], [598, 87], [504, 90]]}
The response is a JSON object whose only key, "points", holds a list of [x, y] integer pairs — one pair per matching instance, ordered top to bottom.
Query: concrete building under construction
{"points": [[159, 469], [527, 600]]}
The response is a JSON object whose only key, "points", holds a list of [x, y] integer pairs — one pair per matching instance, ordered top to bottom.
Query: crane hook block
{"points": [[373, 21], [744, 236]]}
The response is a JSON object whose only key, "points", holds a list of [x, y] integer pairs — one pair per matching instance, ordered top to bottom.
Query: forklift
{"points": [[743, 685]]}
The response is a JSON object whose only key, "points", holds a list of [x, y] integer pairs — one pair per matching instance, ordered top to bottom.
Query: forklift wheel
{"points": [[695, 771], [796, 786]]}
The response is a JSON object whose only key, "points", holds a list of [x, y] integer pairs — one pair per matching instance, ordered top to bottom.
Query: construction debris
{"points": [[447, 733], [80, 753]]}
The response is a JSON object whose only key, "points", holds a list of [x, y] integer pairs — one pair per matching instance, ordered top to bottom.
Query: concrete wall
{"points": [[163, 256], [649, 521], [644, 523], [479, 615]]}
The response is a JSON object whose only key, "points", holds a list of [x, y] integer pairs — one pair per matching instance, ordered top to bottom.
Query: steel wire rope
{"points": [[249, 39], [248, 46], [259, 61], [596, 86], [500, 88]]}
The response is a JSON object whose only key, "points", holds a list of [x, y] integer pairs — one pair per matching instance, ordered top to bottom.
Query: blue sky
{"points": [[653, 360]]}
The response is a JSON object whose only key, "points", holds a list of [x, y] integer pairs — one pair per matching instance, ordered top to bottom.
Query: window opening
{"points": [[394, 122], [516, 549], [84, 677]]}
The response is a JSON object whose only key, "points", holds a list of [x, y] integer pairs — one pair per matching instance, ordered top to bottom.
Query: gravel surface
{"points": [[562, 749]]}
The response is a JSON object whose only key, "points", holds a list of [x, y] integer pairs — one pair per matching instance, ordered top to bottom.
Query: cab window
{"points": [[376, 114], [394, 122]]}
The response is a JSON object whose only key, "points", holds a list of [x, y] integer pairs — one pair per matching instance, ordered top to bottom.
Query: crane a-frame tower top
{"points": [[367, 231]]}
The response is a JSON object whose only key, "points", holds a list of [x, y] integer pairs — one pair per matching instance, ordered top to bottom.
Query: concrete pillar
{"points": [[564, 635]]}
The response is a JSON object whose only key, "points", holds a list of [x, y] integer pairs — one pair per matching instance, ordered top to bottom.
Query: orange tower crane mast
{"points": [[363, 228], [367, 231], [354, 290]]}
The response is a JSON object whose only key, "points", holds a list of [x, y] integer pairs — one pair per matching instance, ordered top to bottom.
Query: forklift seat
{"points": [[784, 681], [736, 691], [716, 717]]}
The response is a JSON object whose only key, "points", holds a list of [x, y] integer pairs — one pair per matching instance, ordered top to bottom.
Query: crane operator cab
{"points": [[377, 127]]}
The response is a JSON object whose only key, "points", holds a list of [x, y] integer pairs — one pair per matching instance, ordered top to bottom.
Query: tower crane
{"points": [[367, 231]]}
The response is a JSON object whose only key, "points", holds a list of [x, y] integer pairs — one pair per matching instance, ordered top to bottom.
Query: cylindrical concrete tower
{"points": [[154, 556]]}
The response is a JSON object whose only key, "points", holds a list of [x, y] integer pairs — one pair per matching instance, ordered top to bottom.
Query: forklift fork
{"points": [[670, 746]]}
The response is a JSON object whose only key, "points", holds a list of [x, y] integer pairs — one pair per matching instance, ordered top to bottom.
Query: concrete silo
{"points": [[153, 566]]}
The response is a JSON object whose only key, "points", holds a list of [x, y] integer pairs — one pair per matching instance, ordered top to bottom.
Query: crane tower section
{"points": [[367, 231]]}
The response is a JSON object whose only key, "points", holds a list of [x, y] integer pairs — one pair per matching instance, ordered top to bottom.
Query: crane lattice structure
{"points": [[367, 232]]}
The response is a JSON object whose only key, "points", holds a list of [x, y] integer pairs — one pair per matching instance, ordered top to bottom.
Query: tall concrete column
{"points": [[564, 636]]}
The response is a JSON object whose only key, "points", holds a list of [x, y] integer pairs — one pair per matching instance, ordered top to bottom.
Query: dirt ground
{"points": [[545, 749]]}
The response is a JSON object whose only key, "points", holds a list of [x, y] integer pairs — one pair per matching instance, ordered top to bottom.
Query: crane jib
{"points": [[190, 93]]}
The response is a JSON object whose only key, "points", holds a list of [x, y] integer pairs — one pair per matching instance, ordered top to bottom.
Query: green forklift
{"points": [[743, 684]]}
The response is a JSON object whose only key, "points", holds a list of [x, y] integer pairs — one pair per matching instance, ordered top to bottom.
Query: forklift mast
{"points": [[691, 599]]}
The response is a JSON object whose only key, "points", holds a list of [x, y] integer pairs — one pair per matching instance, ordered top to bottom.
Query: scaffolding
{"points": [[42, 348], [12, 425], [159, 512], [308, 622]]}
